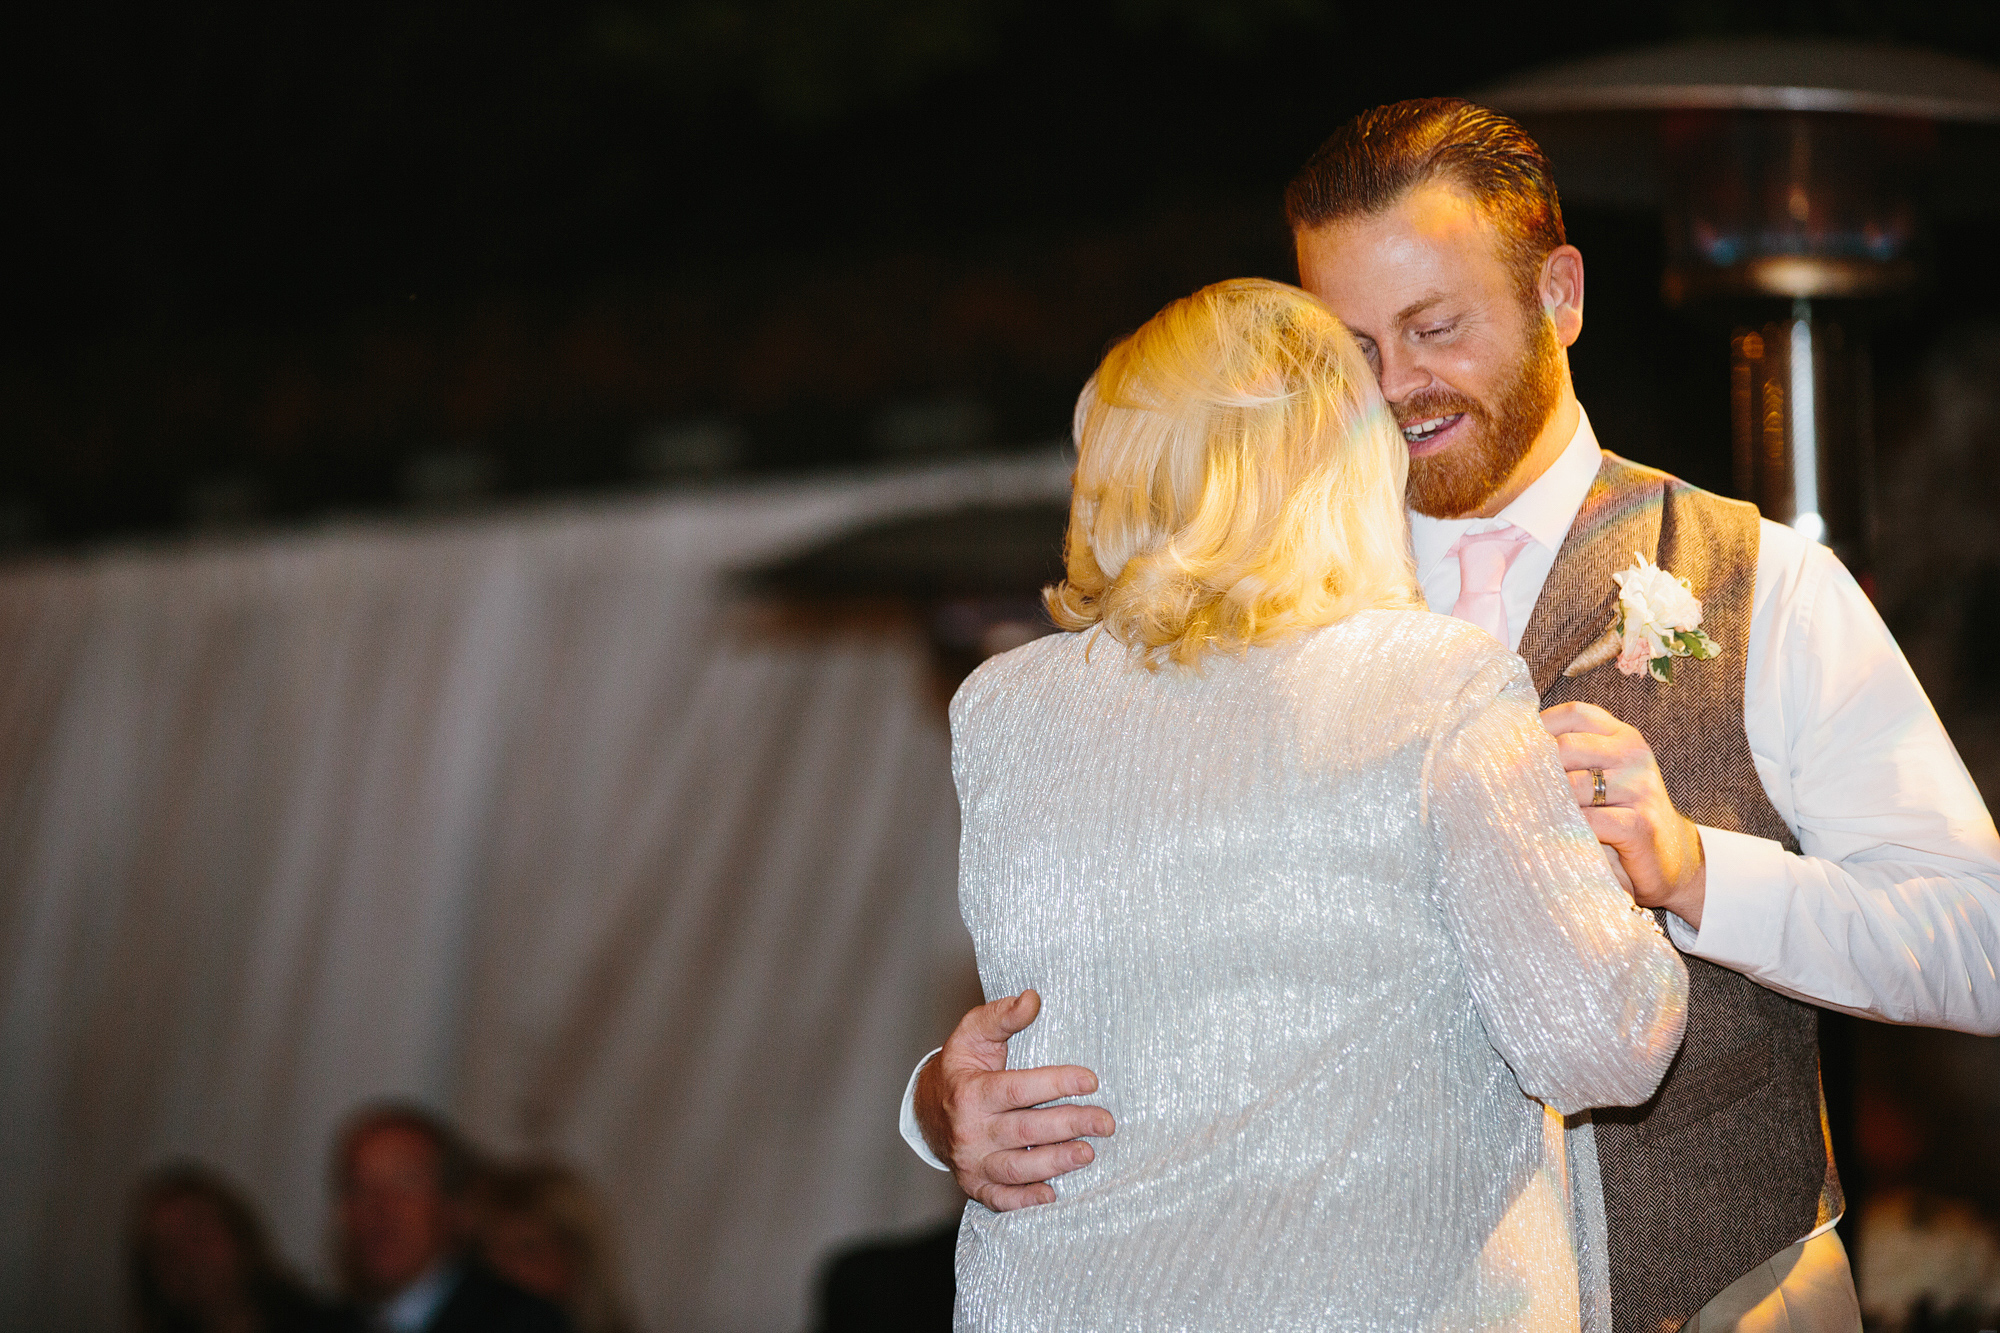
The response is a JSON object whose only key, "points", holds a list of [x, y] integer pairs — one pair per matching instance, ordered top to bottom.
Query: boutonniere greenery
{"points": [[1658, 619]]}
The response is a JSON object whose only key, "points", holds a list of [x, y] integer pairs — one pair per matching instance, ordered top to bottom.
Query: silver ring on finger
{"points": [[1597, 792]]}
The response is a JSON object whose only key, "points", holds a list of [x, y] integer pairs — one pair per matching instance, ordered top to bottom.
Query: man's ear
{"points": [[1561, 292]]}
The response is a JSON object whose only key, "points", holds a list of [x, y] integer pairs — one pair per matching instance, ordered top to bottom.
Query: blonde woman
{"points": [[1295, 869], [542, 1227]]}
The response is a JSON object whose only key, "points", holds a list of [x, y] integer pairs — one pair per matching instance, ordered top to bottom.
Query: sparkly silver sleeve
{"points": [[1576, 986]]}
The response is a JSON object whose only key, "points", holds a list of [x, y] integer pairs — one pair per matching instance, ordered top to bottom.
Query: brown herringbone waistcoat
{"points": [[1729, 1162]]}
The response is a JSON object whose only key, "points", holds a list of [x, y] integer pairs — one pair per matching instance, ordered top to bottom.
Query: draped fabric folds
{"points": [[520, 816]]}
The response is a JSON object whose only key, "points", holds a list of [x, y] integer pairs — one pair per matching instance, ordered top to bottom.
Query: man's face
{"points": [[1471, 373], [394, 1217]]}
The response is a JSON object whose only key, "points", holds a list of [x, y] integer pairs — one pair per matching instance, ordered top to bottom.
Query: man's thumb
{"points": [[1000, 1019]]}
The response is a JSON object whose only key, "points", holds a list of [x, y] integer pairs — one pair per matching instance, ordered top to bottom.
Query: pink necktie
{"points": [[1483, 561]]}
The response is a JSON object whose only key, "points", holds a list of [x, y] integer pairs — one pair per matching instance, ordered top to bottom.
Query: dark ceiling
{"points": [[277, 259]]}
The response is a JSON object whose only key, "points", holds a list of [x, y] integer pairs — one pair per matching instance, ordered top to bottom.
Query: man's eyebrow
{"points": [[1418, 306]]}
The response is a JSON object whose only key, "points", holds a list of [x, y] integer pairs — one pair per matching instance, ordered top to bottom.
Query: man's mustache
{"points": [[1435, 403]]}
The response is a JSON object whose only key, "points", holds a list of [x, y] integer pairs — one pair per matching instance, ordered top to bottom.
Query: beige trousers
{"points": [[1805, 1289]]}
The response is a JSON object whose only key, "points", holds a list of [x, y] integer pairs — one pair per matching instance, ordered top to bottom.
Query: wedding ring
{"points": [[1597, 787]]}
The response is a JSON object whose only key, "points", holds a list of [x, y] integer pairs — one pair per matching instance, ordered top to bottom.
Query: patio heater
{"points": [[1795, 180]]}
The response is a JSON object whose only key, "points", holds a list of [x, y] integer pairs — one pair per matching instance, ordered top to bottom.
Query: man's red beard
{"points": [[1459, 480]]}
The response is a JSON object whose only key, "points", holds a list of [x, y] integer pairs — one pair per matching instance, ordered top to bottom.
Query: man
{"points": [[1791, 807], [402, 1178]]}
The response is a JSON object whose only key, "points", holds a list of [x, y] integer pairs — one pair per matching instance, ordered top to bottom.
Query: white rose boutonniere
{"points": [[1658, 620]]}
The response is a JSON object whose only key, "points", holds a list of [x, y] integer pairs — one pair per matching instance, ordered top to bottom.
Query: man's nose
{"points": [[1401, 375]]}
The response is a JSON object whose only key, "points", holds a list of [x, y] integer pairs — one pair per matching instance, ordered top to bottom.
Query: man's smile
{"points": [[1429, 435]]}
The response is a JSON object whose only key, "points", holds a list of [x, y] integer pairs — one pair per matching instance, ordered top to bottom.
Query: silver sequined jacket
{"points": [[1328, 925]]}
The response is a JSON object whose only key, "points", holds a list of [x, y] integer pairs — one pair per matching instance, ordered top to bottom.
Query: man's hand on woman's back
{"points": [[990, 1123]]}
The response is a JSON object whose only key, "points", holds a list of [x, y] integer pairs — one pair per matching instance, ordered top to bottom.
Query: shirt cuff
{"points": [[1742, 904], [912, 1135]]}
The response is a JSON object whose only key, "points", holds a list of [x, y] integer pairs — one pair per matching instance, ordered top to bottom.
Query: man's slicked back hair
{"points": [[1383, 154]]}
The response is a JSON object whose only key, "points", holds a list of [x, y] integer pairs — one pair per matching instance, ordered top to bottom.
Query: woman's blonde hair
{"points": [[1238, 479], [555, 1197]]}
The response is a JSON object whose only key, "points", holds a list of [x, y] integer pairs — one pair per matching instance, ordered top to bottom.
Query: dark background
{"points": [[273, 260]]}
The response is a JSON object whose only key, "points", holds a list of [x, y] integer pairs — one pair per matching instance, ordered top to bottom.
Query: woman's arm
{"points": [[1578, 988]]}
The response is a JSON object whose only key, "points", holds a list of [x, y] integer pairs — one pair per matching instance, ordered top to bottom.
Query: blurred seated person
{"points": [[403, 1179], [543, 1228], [197, 1260], [904, 1285]]}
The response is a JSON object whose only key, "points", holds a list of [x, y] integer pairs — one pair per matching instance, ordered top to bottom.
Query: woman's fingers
{"points": [[1612, 859]]}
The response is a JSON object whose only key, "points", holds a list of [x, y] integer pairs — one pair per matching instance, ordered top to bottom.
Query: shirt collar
{"points": [[1544, 511], [415, 1305]]}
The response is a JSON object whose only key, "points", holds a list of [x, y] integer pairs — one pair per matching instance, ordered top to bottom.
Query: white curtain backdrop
{"points": [[523, 817]]}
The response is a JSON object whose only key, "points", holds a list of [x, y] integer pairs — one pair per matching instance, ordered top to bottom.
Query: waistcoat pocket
{"points": [[1700, 1092]]}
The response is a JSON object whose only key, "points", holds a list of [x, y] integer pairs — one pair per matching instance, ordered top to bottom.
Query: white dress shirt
{"points": [[1892, 909], [413, 1308]]}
